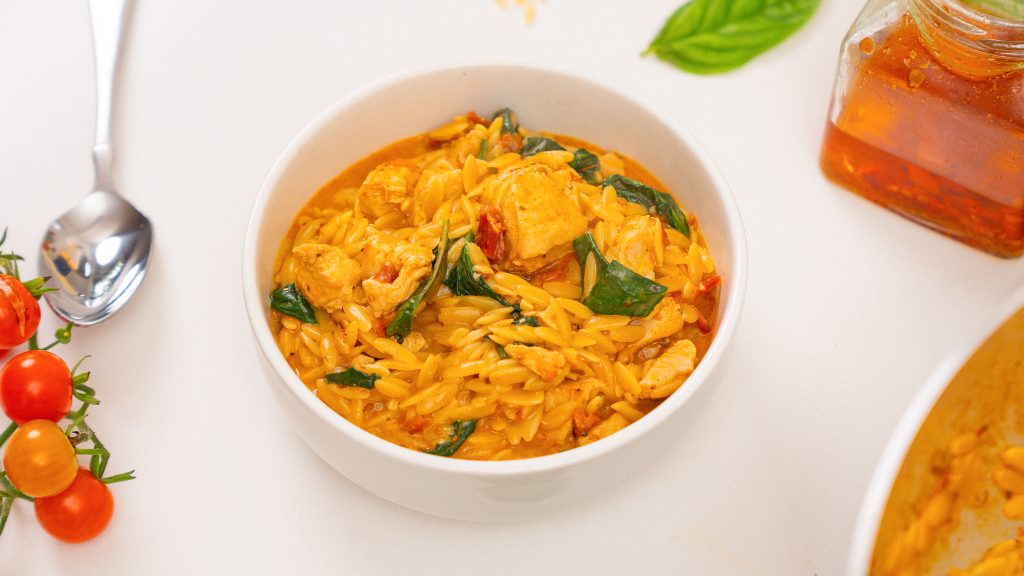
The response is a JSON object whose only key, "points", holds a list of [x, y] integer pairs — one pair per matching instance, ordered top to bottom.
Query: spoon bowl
{"points": [[96, 253]]}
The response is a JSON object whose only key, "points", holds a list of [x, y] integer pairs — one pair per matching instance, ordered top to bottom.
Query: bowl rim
{"points": [[728, 315], [876, 497]]}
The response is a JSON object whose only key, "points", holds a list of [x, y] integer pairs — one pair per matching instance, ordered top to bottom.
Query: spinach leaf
{"points": [[712, 36], [509, 121], [537, 144], [482, 152], [586, 164], [662, 202], [462, 280], [618, 290], [288, 300], [401, 324], [352, 377], [460, 431]]}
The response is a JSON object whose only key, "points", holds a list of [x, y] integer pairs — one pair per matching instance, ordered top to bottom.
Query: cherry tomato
{"points": [[19, 312], [35, 385], [39, 459], [79, 513]]}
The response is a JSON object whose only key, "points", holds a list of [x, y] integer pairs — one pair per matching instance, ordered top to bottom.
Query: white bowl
{"points": [[547, 99], [943, 392]]}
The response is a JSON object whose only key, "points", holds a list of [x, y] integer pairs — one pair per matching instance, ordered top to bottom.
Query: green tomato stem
{"points": [[7, 433], [12, 490]]}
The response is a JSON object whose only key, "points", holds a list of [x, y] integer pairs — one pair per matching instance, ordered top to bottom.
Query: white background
{"points": [[849, 307]]}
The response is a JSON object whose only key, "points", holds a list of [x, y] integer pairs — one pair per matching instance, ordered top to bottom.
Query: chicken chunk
{"points": [[387, 186], [434, 186], [540, 208], [633, 245], [405, 263], [326, 275], [665, 320], [548, 364], [669, 370], [603, 429]]}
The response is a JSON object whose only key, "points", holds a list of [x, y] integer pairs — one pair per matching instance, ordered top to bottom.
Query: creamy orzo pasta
{"points": [[487, 292]]}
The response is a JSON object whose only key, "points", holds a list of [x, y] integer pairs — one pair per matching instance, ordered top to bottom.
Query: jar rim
{"points": [[970, 15], [973, 28]]}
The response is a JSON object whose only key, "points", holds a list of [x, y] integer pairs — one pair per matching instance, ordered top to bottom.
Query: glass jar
{"points": [[927, 116]]}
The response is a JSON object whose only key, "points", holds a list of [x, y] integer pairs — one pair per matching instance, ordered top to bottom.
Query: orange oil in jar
{"points": [[932, 127]]}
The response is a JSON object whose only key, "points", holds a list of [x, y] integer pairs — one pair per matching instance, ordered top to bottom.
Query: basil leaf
{"points": [[713, 36], [509, 121], [537, 144], [586, 164], [662, 202], [618, 290], [288, 300], [401, 325], [501, 351], [352, 377], [460, 431]]}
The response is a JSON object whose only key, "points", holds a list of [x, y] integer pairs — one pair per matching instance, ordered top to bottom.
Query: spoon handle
{"points": [[107, 24]]}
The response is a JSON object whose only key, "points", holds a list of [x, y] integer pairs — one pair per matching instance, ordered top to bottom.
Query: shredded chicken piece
{"points": [[387, 186], [540, 210], [632, 245], [382, 251], [326, 275], [665, 320], [547, 364], [669, 370]]}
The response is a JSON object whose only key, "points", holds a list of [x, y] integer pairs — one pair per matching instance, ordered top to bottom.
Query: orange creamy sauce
{"points": [[940, 148]]}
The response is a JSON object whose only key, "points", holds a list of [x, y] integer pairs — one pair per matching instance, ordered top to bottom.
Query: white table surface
{"points": [[849, 307]]}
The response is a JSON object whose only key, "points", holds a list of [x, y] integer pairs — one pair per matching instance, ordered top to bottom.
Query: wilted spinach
{"points": [[662, 202], [618, 290], [288, 300]]}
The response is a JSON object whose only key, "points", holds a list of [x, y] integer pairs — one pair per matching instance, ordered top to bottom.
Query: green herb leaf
{"points": [[713, 36], [509, 121], [537, 144], [482, 152], [586, 164], [662, 202], [462, 280], [618, 290], [288, 300], [401, 325], [502, 354], [352, 377], [460, 431]]}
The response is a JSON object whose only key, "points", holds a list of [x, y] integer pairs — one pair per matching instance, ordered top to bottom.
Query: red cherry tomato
{"points": [[19, 312], [35, 385], [39, 459], [79, 513]]}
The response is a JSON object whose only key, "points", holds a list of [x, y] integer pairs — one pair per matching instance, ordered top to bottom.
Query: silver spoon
{"points": [[97, 252]]}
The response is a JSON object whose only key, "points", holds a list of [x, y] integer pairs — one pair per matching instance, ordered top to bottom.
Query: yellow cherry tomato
{"points": [[39, 459]]}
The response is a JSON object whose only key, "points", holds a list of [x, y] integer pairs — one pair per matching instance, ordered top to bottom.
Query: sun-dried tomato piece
{"points": [[490, 235]]}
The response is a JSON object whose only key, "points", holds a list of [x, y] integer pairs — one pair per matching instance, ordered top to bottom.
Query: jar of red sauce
{"points": [[927, 116]]}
